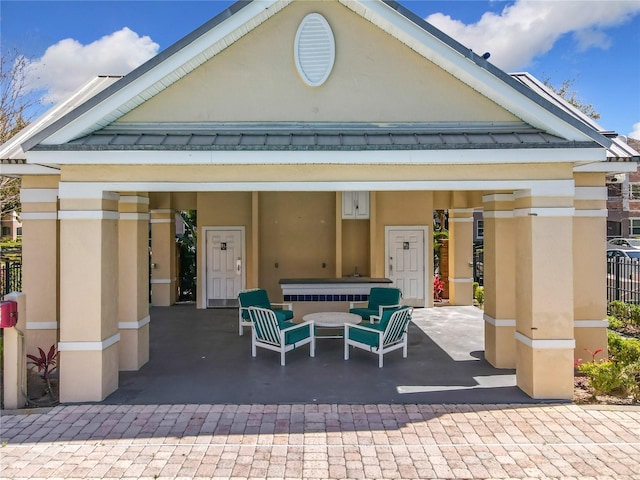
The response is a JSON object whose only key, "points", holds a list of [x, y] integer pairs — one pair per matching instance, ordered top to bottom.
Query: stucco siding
{"points": [[375, 79]]}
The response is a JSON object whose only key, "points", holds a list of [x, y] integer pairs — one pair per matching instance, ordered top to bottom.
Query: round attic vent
{"points": [[314, 49]]}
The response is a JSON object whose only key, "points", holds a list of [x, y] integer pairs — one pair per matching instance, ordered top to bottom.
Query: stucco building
{"points": [[313, 138]]}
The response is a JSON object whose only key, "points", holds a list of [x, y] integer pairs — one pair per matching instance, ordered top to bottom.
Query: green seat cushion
{"points": [[383, 296], [253, 298], [259, 298], [364, 312], [283, 314], [283, 317], [295, 336], [368, 338]]}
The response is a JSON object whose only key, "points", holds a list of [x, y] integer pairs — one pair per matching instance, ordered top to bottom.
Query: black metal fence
{"points": [[10, 276], [623, 280]]}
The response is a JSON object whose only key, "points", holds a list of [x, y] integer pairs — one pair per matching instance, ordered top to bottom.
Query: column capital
{"points": [[73, 191], [38, 195], [498, 197], [137, 199]]}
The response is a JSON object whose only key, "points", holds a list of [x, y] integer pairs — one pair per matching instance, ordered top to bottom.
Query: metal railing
{"points": [[10, 276], [623, 280]]}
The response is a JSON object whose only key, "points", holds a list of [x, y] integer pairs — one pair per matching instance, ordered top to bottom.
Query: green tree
{"points": [[567, 91], [187, 246]]}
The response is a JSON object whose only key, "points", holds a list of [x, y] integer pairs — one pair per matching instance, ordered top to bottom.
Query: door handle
{"points": [[239, 266]]}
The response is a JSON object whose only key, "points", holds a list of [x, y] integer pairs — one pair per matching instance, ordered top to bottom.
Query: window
{"points": [[634, 191], [634, 227], [480, 229], [6, 231], [19, 231]]}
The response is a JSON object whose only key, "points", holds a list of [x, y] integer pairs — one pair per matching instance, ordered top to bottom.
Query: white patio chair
{"points": [[267, 331], [380, 338]]}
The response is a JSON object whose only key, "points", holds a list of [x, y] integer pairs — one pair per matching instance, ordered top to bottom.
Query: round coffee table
{"points": [[332, 320]]}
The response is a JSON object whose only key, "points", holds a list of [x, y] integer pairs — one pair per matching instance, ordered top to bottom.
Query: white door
{"points": [[406, 262], [224, 266]]}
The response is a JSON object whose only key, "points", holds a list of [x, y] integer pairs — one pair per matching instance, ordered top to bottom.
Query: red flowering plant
{"points": [[438, 287], [45, 364]]}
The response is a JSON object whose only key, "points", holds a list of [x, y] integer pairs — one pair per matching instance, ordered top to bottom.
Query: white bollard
{"points": [[15, 358]]}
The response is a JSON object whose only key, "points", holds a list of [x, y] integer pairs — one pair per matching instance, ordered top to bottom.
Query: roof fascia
{"points": [[472, 69], [162, 70], [11, 150], [314, 157], [607, 167], [20, 169]]}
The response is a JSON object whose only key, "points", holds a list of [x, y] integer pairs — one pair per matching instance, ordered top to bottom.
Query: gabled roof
{"points": [[242, 17]]}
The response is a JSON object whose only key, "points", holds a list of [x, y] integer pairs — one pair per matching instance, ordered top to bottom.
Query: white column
{"points": [[461, 256], [499, 280], [133, 284], [89, 333]]}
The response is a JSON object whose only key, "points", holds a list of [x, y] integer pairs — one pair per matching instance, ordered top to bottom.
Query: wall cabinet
{"points": [[355, 205]]}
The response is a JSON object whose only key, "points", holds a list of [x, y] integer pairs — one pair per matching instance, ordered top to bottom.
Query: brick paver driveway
{"points": [[322, 442]]}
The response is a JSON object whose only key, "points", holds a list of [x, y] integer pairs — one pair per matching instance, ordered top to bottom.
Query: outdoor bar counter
{"points": [[310, 295]]}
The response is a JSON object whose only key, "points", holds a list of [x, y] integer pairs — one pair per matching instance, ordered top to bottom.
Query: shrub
{"points": [[479, 295], [619, 309], [634, 314], [614, 322], [623, 350], [604, 376], [631, 380]]}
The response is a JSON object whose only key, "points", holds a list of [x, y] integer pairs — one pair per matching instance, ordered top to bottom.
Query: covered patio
{"points": [[294, 177], [196, 356]]}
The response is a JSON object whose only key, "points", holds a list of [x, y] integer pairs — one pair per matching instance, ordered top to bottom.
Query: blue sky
{"points": [[594, 43]]}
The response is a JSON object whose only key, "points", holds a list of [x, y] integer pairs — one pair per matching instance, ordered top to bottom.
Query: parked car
{"points": [[624, 242], [626, 253]]}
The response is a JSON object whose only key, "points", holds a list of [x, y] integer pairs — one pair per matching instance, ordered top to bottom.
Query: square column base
{"points": [[460, 291], [163, 294], [590, 339], [500, 344], [133, 348], [544, 370], [88, 376]]}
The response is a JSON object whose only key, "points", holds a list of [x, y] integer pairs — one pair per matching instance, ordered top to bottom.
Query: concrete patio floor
{"points": [[197, 357]]}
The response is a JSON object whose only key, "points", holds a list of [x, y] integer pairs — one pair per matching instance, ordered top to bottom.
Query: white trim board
{"points": [[320, 157], [530, 187], [134, 325], [545, 343], [88, 346]]}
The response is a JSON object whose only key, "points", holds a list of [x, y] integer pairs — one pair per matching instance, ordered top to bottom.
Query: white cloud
{"points": [[529, 28], [68, 64], [636, 131]]}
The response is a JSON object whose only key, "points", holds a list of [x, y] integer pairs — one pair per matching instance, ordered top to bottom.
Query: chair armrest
{"points": [[353, 304], [288, 305], [382, 308], [299, 325], [347, 326]]}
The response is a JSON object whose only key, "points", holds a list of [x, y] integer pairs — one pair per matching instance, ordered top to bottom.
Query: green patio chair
{"points": [[257, 297], [380, 299], [267, 331], [388, 335]]}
